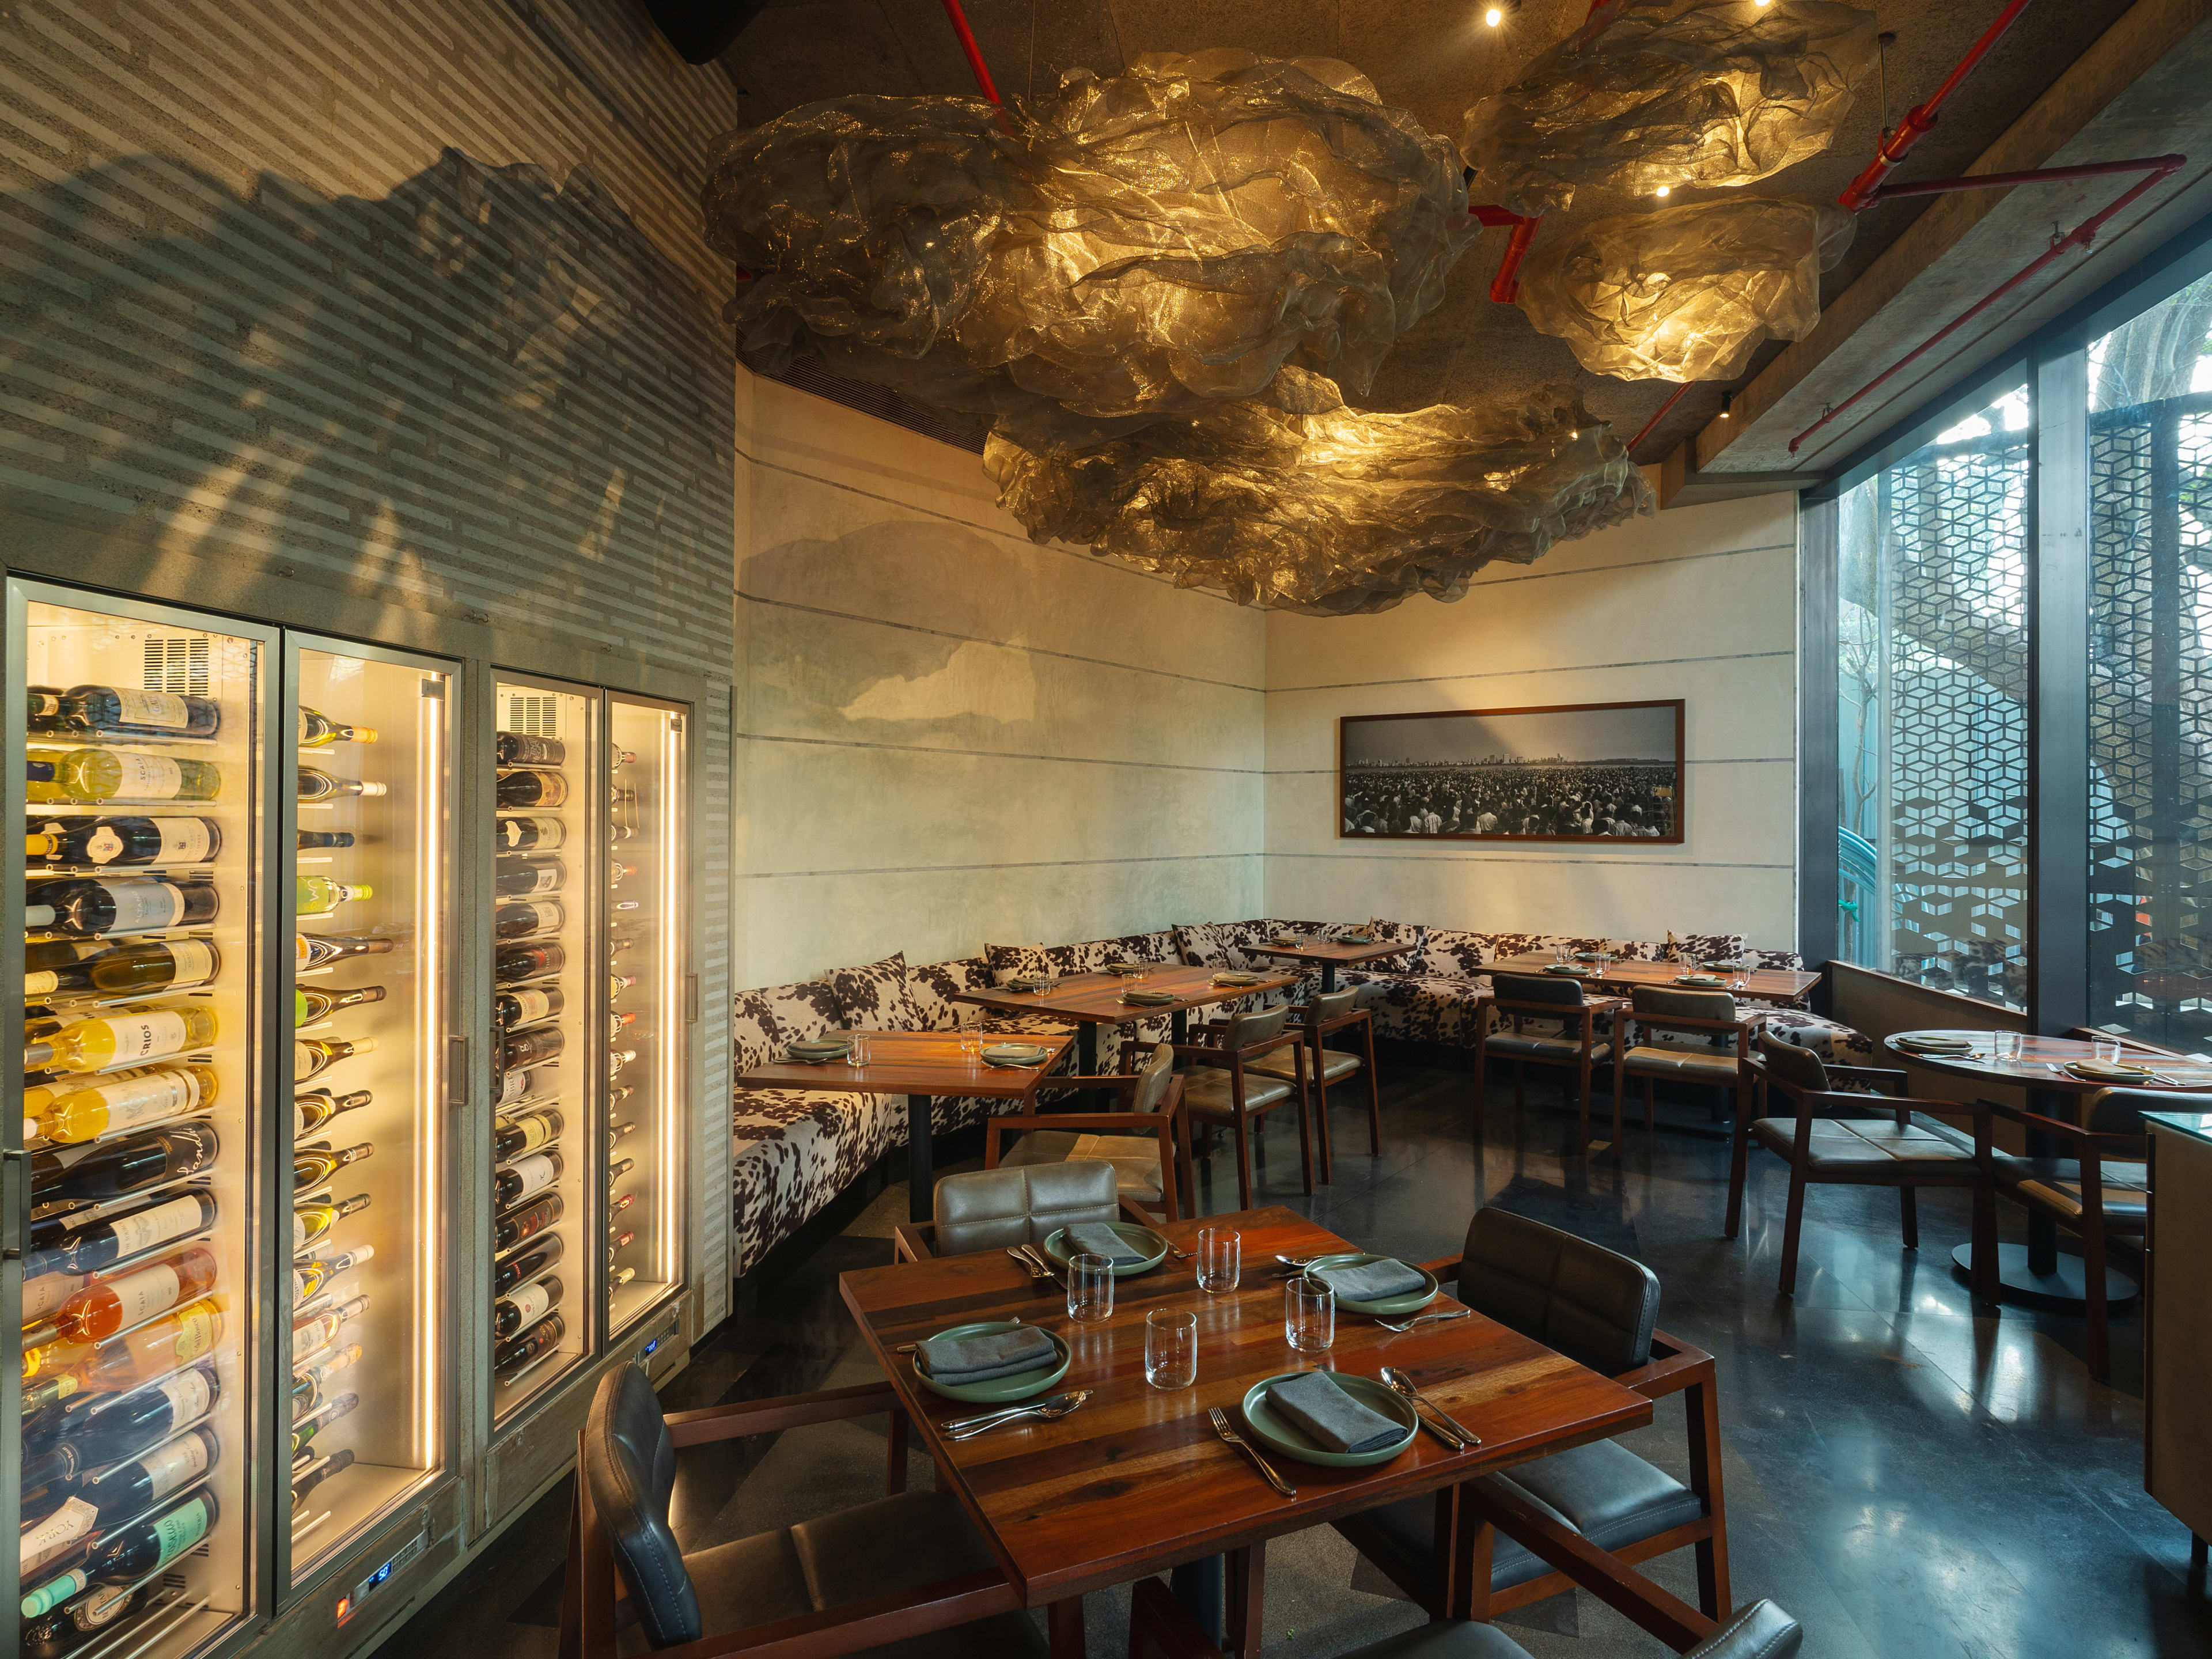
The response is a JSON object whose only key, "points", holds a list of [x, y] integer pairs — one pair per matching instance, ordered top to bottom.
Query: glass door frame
{"points": [[450, 1098], [261, 1405]]}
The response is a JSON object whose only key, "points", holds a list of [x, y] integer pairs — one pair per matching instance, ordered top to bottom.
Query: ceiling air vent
{"points": [[177, 663], [532, 715]]}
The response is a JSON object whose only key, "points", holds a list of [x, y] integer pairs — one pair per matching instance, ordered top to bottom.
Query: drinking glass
{"points": [[2006, 1045], [971, 1050], [858, 1054], [1220, 1258], [1090, 1289], [1309, 1315], [1170, 1348]]}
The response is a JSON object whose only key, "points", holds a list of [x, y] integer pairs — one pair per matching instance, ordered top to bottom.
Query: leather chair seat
{"points": [[1531, 1045], [1335, 1065], [1708, 1065], [1205, 1090], [1922, 1147], [1135, 1160], [2054, 1184], [1021, 1202], [895, 1544], [1761, 1630]]}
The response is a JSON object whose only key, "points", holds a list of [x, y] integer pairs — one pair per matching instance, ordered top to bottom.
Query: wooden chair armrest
{"points": [[1688, 1022], [1869, 1074], [1089, 1080], [1986, 1110], [1085, 1120], [913, 1241], [1445, 1267], [1674, 1366], [789, 1410], [1605, 1576], [859, 1627], [1161, 1627]]}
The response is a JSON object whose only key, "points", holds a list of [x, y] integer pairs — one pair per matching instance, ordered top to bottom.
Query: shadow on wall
{"points": [[484, 393]]}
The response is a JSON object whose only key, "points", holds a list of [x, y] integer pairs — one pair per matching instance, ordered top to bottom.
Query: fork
{"points": [[1042, 1263], [1036, 1272], [1402, 1326], [1045, 1411], [1220, 1419], [1435, 1421]]}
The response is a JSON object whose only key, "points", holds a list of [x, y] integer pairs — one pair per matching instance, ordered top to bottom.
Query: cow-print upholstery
{"points": [[1016, 962], [933, 986], [875, 998], [1836, 1044]]}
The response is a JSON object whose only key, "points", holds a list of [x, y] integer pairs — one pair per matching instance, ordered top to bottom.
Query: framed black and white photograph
{"points": [[1597, 771]]}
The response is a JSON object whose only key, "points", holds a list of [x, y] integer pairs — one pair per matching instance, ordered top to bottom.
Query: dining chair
{"points": [[1521, 998], [1332, 1011], [1655, 1040], [1218, 1086], [1848, 1125], [2097, 1188], [994, 1209], [1600, 1309], [907, 1568], [1161, 1627]]}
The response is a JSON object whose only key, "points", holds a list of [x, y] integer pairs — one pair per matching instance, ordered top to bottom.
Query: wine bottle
{"points": [[42, 708], [120, 711], [318, 731], [519, 748], [623, 758], [96, 774], [315, 784], [521, 790], [529, 835], [123, 840], [306, 840], [618, 873], [517, 876], [317, 896], [89, 908], [526, 918], [313, 950], [515, 963], [150, 966], [617, 983], [309, 1005], [512, 1008], [618, 1021], [131, 1037], [531, 1046], [311, 1056], [618, 1058], [509, 1087], [314, 1108], [73, 1112], [617, 1131], [524, 1133], [315, 1166], [619, 1168], [113, 1169], [525, 1178], [616, 1203], [312, 1221], [512, 1228], [619, 1242], [55, 1249], [521, 1269], [310, 1277], [621, 1277], [44, 1292], [528, 1303], [107, 1306], [314, 1319], [153, 1351], [511, 1357], [319, 1369], [319, 1419], [129, 1423], [312, 1474], [134, 1487], [148, 1546], [85, 1620]]}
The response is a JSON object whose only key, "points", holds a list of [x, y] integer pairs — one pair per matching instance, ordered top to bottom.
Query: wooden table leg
{"points": [[920, 1170], [1247, 1569], [1197, 1585], [1065, 1621]]}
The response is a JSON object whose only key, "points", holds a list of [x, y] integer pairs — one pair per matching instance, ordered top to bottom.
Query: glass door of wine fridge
{"points": [[140, 745], [548, 975], [646, 1008], [363, 1304]]}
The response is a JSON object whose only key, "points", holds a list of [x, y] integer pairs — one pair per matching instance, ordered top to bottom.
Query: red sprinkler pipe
{"points": [[975, 57], [1920, 119], [2036, 176], [2080, 236], [1505, 287], [1658, 415]]}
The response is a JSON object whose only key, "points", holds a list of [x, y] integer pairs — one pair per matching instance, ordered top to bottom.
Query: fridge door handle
{"points": [[690, 998], [457, 1070], [12, 1165]]}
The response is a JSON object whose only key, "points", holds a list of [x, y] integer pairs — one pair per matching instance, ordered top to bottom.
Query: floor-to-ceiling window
{"points": [[2150, 671]]}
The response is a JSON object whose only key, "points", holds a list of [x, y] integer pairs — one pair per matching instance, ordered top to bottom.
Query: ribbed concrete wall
{"points": [[388, 318]]}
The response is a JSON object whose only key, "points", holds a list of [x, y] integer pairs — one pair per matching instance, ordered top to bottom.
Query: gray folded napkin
{"points": [[1355, 938], [1124, 967], [1239, 977], [1029, 982], [1151, 999], [1935, 1045], [815, 1053], [1013, 1055], [1096, 1238], [1370, 1281], [982, 1358], [1330, 1416]]}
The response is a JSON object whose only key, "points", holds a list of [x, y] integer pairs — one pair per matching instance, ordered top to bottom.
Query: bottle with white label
{"points": [[120, 711], [318, 731], [97, 774], [315, 784], [524, 833], [123, 840], [524, 878], [317, 896], [141, 904], [528, 918], [314, 949], [140, 969], [510, 1009], [129, 1037], [311, 1056], [314, 1108], [69, 1112], [112, 1169], [525, 1178], [313, 1221], [55, 1248], [525, 1304], [108, 1305], [143, 1354], [312, 1423], [126, 1425], [134, 1487], [148, 1546]]}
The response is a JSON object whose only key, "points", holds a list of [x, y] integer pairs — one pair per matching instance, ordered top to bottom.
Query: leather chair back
{"points": [[1538, 987], [1664, 1001], [1335, 1004], [1262, 1025], [1799, 1067], [1153, 1078], [2120, 1111], [991, 1209], [1590, 1303], [629, 1460], [1761, 1630]]}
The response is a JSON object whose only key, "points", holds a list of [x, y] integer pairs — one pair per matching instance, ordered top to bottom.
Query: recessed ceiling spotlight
{"points": [[1495, 12], [1494, 16], [1662, 190]]}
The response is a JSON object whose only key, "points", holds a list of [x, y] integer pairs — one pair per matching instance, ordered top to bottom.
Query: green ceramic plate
{"points": [[1355, 938], [1586, 956], [1723, 965], [1124, 969], [1569, 969], [1238, 978], [1703, 981], [1148, 998], [816, 1054], [1014, 1054], [1138, 1238], [1390, 1306], [1000, 1390], [1278, 1433]]}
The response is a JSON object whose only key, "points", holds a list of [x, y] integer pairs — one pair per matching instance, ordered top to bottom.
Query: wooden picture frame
{"points": [[1542, 773]]}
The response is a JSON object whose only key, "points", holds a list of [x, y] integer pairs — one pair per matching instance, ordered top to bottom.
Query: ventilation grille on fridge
{"points": [[177, 663], [532, 715]]}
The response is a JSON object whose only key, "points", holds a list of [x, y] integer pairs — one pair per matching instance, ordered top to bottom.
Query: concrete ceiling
{"points": [[1433, 58]]}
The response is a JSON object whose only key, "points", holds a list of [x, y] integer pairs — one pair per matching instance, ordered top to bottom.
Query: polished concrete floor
{"points": [[1909, 1473]]}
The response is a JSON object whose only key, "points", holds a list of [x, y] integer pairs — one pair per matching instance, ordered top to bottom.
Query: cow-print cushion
{"points": [[1202, 944], [1451, 952], [1091, 955], [1017, 961], [1788, 961], [933, 986], [874, 998], [1414, 1008], [766, 1021], [1837, 1044]]}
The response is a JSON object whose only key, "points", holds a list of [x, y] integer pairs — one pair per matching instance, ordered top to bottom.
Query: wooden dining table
{"points": [[1331, 954], [1622, 975], [1088, 1001], [1136, 1481]]}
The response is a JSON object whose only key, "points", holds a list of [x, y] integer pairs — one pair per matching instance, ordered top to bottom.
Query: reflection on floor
{"points": [[1908, 1475]]}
